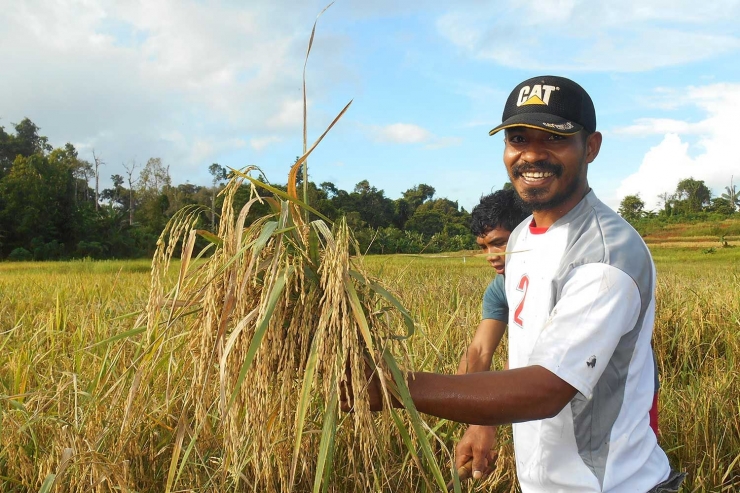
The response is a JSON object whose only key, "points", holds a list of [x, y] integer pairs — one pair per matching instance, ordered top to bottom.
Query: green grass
{"points": [[62, 386]]}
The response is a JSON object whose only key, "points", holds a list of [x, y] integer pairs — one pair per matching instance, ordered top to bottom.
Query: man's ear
{"points": [[593, 145]]}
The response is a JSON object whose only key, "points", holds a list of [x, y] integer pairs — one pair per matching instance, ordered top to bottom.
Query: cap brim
{"points": [[540, 121]]}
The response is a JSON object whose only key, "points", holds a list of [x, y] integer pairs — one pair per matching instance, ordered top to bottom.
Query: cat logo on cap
{"points": [[537, 94]]}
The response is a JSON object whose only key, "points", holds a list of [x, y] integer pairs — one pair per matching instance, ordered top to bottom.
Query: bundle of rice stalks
{"points": [[272, 312]]}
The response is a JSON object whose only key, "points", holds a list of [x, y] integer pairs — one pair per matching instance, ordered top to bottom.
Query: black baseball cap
{"points": [[554, 104]]}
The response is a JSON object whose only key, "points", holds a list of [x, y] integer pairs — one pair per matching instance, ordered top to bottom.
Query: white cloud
{"points": [[582, 35], [181, 80], [409, 133], [712, 159]]}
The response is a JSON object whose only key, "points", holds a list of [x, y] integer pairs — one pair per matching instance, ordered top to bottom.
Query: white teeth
{"points": [[533, 175]]}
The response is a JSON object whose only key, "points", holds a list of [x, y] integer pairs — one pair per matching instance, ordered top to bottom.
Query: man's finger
{"points": [[462, 459], [480, 465], [466, 470]]}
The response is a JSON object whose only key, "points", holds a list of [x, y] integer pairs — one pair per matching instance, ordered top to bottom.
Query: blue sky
{"points": [[197, 82]]}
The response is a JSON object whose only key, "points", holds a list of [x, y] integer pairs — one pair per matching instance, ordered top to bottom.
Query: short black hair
{"points": [[500, 209]]}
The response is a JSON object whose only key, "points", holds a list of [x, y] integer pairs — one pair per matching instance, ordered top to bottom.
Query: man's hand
{"points": [[371, 386], [478, 446]]}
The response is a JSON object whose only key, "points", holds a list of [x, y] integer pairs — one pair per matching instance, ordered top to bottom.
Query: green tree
{"points": [[26, 142], [82, 171], [218, 174], [153, 187], [329, 189], [418, 195], [115, 196], [691, 196], [732, 196], [37, 197], [666, 199], [411, 200], [371, 204], [722, 206], [631, 208], [403, 212], [428, 223]]}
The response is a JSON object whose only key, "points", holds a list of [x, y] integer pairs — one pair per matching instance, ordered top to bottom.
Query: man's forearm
{"points": [[479, 354], [491, 398]]}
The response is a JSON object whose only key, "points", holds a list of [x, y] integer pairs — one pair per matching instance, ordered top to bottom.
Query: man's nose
{"points": [[534, 151]]}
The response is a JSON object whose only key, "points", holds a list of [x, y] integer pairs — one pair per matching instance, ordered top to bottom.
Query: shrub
{"points": [[93, 249], [20, 255]]}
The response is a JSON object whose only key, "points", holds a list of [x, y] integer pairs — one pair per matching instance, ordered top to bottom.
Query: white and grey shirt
{"points": [[582, 305]]}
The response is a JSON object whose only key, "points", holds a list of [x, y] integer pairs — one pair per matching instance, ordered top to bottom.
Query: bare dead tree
{"points": [[98, 162], [130, 172], [665, 197]]}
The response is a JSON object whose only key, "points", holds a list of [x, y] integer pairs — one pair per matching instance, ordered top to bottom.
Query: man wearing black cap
{"points": [[580, 289]]}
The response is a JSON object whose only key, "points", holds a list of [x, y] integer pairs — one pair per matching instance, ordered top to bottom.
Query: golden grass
{"points": [[67, 363]]}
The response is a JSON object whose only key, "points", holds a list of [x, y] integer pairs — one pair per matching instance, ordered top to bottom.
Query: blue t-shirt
{"points": [[494, 301]]}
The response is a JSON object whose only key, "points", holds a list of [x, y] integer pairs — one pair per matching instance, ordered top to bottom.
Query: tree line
{"points": [[692, 201], [49, 210]]}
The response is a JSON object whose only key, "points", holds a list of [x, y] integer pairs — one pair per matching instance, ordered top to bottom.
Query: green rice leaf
{"points": [[267, 230], [210, 236], [359, 313], [408, 320], [122, 335], [303, 403], [416, 421], [406, 437], [326, 447], [189, 449], [48, 483]]}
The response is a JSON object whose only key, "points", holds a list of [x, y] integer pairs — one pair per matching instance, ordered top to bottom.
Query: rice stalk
{"points": [[271, 317]]}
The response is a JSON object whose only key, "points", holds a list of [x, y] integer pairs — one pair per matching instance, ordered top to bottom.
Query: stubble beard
{"points": [[533, 197]]}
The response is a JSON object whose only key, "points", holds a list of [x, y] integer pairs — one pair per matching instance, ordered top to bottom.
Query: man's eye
{"points": [[557, 137], [516, 139]]}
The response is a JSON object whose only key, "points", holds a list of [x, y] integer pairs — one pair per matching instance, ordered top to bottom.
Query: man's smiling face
{"points": [[549, 170]]}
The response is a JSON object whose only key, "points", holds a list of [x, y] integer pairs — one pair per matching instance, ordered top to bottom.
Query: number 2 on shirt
{"points": [[522, 286]]}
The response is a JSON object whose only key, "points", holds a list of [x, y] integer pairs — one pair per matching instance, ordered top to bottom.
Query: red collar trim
{"points": [[535, 230]]}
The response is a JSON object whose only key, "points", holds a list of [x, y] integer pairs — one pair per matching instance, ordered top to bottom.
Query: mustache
{"points": [[545, 166]]}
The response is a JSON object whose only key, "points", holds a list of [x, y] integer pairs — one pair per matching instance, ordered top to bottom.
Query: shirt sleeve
{"points": [[494, 301], [599, 304]]}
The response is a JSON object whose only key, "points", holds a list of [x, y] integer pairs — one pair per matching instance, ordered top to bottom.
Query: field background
{"points": [[66, 342]]}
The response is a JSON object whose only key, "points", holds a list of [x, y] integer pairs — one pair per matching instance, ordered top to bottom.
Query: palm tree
{"points": [[732, 195]]}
